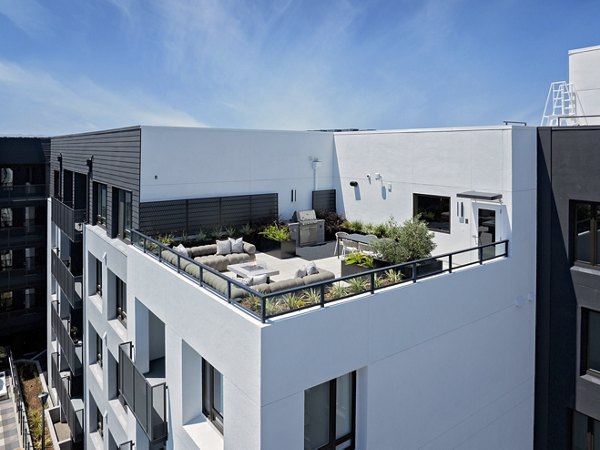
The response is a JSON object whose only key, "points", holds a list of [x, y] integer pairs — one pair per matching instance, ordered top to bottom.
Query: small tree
{"points": [[407, 242]]}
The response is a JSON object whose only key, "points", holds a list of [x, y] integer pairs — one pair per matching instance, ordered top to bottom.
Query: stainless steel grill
{"points": [[308, 230]]}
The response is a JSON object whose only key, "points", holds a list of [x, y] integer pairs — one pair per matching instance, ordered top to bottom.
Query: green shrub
{"points": [[276, 232], [408, 242], [360, 259]]}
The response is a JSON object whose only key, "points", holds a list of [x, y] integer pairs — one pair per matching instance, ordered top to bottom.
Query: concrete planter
{"points": [[278, 249]]}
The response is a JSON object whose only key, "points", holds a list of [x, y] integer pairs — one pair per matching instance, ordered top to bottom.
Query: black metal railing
{"points": [[23, 192], [68, 219], [70, 284], [265, 306], [72, 351], [146, 401], [73, 415], [25, 435], [126, 445]]}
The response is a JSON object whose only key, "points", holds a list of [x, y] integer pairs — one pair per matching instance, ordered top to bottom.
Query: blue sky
{"points": [[80, 65]]}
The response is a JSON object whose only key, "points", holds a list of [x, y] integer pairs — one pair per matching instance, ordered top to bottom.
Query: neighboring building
{"points": [[23, 192], [568, 258], [170, 357]]}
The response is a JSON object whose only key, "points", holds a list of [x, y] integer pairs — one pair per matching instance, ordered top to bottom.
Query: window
{"points": [[6, 177], [57, 184], [100, 203], [434, 210], [123, 212], [6, 217], [587, 239], [6, 259], [99, 278], [6, 301], [121, 301], [591, 344], [98, 349], [212, 395], [329, 414], [100, 423], [585, 432]]}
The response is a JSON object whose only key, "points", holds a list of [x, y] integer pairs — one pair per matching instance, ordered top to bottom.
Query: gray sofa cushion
{"points": [[203, 250], [171, 257], [323, 275], [220, 284]]}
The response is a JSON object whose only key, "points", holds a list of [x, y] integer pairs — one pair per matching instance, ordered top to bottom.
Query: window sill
{"points": [[96, 300], [118, 328], [98, 374], [591, 378], [119, 411], [204, 434], [97, 440]]}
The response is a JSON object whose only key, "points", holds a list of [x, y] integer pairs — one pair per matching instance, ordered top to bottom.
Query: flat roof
{"points": [[584, 49]]}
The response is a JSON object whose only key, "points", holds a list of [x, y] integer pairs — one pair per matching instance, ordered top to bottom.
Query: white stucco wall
{"points": [[584, 73], [203, 162]]}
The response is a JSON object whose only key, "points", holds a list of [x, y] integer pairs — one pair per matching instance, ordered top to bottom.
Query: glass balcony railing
{"points": [[23, 192], [68, 219], [70, 284], [73, 352], [147, 401], [72, 408]]}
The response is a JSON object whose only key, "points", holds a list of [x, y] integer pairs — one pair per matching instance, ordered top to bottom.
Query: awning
{"points": [[478, 195]]}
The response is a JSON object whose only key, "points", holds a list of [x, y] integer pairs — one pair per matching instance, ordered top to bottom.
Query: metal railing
{"points": [[23, 192], [68, 219], [70, 284], [265, 306], [72, 352], [146, 401], [74, 416], [25, 435], [126, 445]]}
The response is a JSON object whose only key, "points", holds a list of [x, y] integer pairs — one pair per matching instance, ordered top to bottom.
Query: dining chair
{"points": [[338, 241]]}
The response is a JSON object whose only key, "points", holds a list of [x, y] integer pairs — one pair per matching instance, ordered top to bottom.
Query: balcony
{"points": [[23, 193], [69, 220], [26, 233], [28, 272], [70, 284], [72, 352], [145, 397], [71, 407]]}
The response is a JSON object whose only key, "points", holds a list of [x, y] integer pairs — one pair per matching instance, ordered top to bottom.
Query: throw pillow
{"points": [[237, 245], [223, 247], [181, 250], [311, 269], [301, 272], [259, 279], [247, 281]]}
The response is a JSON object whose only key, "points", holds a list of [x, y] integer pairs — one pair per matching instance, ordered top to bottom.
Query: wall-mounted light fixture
{"points": [[90, 162], [369, 177], [354, 183]]}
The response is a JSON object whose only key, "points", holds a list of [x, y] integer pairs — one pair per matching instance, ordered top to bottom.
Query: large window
{"points": [[100, 203], [434, 210], [122, 211], [587, 238], [121, 301], [591, 341], [212, 394], [329, 414], [585, 434]]}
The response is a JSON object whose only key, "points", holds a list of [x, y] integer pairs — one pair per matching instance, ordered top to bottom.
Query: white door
{"points": [[487, 227]]}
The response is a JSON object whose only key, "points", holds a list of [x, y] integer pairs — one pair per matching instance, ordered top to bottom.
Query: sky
{"points": [[70, 66]]}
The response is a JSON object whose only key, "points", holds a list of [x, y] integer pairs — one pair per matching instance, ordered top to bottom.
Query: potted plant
{"points": [[275, 240], [410, 241], [356, 262]]}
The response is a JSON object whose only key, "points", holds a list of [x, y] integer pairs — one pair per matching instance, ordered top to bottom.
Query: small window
{"points": [[6, 177], [57, 184], [100, 203], [122, 208], [434, 210], [6, 217], [586, 240], [6, 259], [98, 277], [6, 301], [121, 301], [591, 330], [98, 349], [212, 395], [329, 414], [100, 423]]}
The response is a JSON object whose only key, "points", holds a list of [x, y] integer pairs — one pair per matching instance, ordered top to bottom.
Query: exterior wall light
{"points": [[354, 183]]}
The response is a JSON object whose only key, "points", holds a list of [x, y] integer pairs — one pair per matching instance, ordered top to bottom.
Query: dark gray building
{"points": [[23, 192], [568, 289]]}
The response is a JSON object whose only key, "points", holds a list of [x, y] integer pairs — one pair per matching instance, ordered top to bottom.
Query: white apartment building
{"points": [[161, 358]]}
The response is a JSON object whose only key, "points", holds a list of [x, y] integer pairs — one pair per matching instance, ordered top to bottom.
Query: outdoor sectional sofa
{"points": [[207, 255]]}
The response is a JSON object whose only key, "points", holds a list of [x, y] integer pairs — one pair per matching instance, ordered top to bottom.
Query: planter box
{"points": [[281, 250], [423, 268], [353, 269]]}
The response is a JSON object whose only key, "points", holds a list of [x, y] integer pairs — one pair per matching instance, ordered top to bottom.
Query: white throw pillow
{"points": [[237, 245], [223, 247], [181, 250], [311, 269], [301, 272], [259, 279], [247, 281]]}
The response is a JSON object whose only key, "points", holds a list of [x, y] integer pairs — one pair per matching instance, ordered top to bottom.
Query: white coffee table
{"points": [[251, 269]]}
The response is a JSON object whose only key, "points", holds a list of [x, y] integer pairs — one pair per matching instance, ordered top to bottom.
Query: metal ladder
{"points": [[561, 101]]}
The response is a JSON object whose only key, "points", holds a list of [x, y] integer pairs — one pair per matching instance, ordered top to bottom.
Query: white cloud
{"points": [[28, 15], [38, 103]]}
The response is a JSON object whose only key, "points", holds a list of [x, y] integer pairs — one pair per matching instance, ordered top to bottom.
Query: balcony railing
{"points": [[23, 192], [68, 219], [70, 284], [265, 306], [72, 352], [146, 401], [73, 413], [126, 445]]}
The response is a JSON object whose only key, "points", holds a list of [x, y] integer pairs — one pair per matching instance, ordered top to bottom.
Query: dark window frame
{"points": [[122, 205], [100, 209], [419, 212], [594, 228], [99, 277], [121, 301], [586, 341], [99, 345], [208, 392], [99, 422], [592, 428], [348, 437]]}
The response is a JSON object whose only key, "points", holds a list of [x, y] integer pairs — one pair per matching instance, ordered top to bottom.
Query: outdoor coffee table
{"points": [[250, 269]]}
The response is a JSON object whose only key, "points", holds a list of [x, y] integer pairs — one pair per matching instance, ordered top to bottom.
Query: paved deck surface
{"points": [[9, 426]]}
